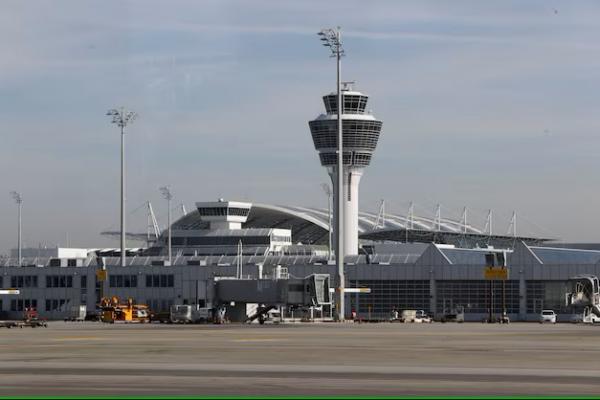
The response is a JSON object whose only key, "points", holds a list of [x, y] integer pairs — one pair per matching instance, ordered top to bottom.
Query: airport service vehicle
{"points": [[583, 296], [112, 310], [78, 313], [141, 314], [189, 314], [262, 314], [455, 314], [94, 315], [161, 316], [408, 316], [421, 316], [548, 316], [586, 317], [31, 319], [504, 319]]}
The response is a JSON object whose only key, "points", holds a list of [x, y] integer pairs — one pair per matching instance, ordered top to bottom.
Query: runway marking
{"points": [[78, 338], [260, 340]]}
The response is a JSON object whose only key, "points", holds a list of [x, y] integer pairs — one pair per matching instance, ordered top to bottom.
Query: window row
{"points": [[352, 103], [349, 127], [362, 140], [353, 158], [212, 211], [222, 211], [277, 238], [220, 240], [57, 262], [160, 280], [24, 281], [52, 281], [59, 281], [122, 281], [22, 304], [57, 304]]}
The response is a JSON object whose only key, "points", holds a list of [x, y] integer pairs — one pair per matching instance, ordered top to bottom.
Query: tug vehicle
{"points": [[112, 310]]}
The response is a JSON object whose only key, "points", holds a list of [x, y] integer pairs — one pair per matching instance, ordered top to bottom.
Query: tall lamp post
{"points": [[332, 38], [122, 117], [166, 192], [328, 192], [19, 201]]}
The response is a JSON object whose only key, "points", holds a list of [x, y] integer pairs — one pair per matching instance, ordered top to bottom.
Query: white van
{"points": [[188, 314]]}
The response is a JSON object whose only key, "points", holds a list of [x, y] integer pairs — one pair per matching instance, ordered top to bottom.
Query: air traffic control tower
{"points": [[360, 135]]}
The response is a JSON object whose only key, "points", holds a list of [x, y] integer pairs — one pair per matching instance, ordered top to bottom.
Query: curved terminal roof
{"points": [[310, 226]]}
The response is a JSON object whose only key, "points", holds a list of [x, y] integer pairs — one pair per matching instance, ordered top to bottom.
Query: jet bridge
{"points": [[304, 292], [268, 294]]}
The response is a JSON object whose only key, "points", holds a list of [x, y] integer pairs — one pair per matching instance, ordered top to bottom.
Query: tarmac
{"points": [[301, 359]]}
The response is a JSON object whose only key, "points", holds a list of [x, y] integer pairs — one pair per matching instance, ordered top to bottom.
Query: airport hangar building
{"points": [[410, 263]]}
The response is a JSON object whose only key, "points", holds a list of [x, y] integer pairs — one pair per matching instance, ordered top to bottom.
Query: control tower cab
{"points": [[360, 131], [224, 214]]}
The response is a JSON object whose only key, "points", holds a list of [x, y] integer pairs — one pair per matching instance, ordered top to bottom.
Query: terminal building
{"points": [[407, 262], [417, 273]]}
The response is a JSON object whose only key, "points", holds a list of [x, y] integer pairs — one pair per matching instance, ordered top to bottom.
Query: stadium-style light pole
{"points": [[332, 38], [121, 117], [166, 192], [328, 192], [19, 200]]}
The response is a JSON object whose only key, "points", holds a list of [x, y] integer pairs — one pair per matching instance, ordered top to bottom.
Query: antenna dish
{"points": [[347, 86]]}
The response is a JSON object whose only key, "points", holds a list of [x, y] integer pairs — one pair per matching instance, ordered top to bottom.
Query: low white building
{"points": [[55, 252]]}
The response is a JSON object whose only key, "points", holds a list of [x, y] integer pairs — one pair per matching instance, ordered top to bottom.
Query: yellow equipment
{"points": [[113, 311]]}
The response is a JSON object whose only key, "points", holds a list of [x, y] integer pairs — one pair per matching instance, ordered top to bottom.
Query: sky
{"points": [[488, 105]]}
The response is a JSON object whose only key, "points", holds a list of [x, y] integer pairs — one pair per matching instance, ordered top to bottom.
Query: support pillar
{"points": [[432, 293], [522, 297]]}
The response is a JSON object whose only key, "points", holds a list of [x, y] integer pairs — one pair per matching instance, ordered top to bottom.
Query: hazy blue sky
{"points": [[485, 104]]}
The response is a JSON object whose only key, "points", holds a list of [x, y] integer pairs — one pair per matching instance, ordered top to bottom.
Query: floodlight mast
{"points": [[332, 38], [122, 117], [166, 192], [19, 200]]}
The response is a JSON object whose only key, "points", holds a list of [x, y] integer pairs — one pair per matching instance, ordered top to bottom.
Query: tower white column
{"points": [[352, 177]]}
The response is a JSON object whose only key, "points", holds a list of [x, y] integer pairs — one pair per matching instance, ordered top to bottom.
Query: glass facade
{"points": [[353, 104], [357, 134], [349, 158], [223, 211], [549, 255], [461, 256], [387, 295], [474, 295], [546, 295]]}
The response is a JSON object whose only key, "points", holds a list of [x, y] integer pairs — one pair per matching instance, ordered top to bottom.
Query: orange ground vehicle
{"points": [[112, 310]]}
